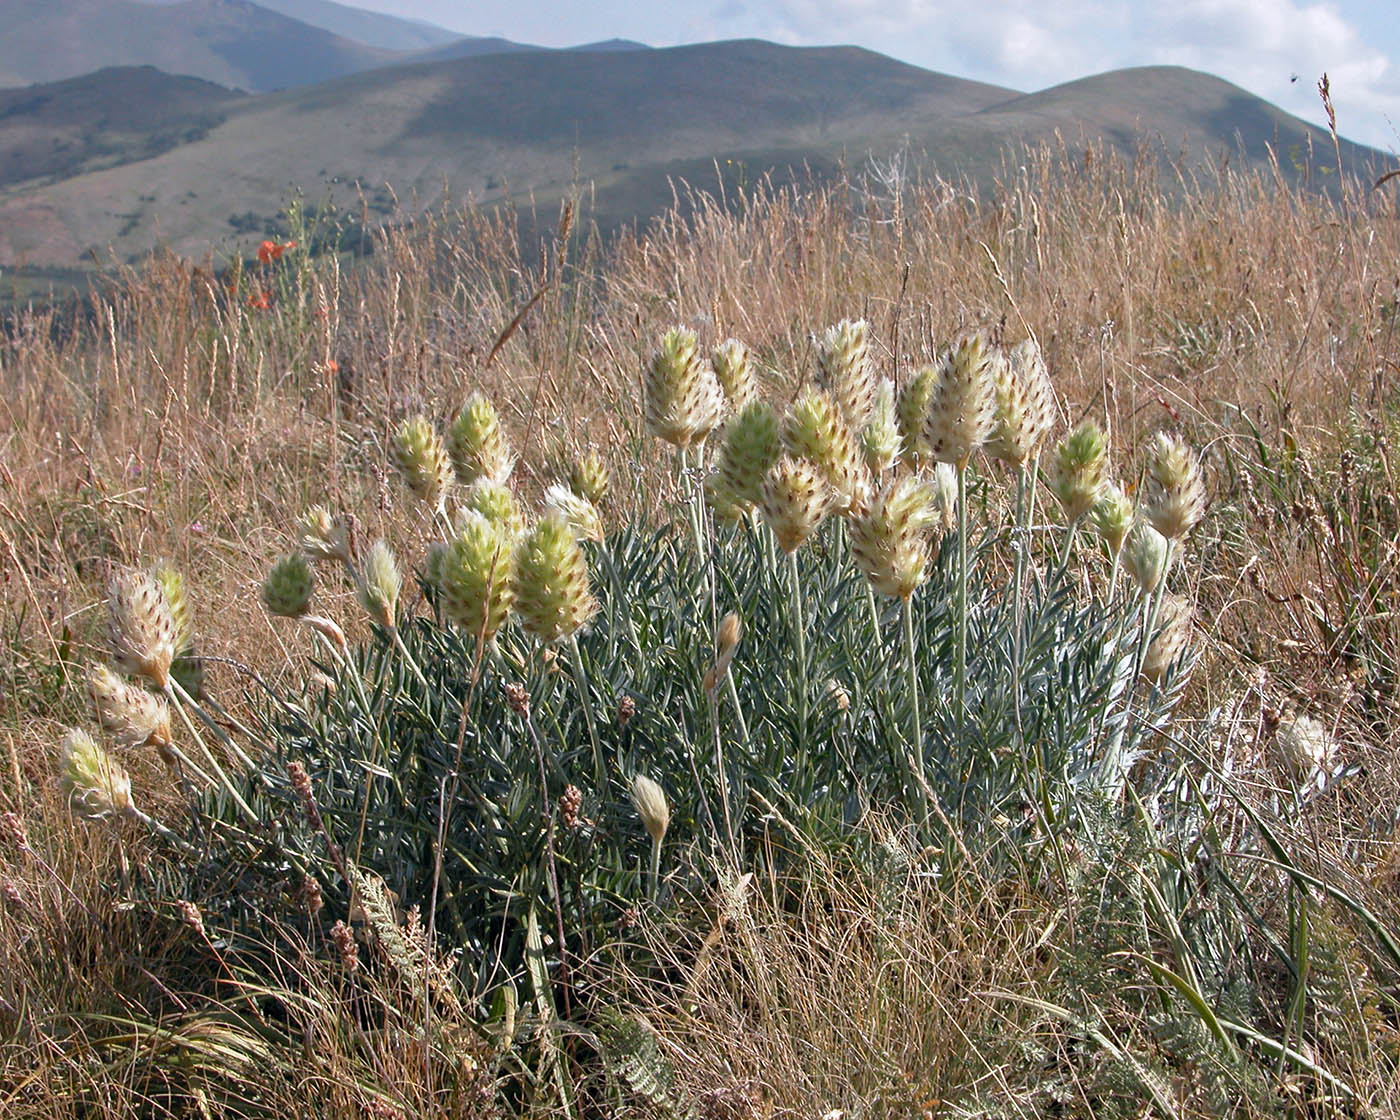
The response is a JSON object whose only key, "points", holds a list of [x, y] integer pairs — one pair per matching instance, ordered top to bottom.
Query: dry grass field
{"points": [[193, 418]]}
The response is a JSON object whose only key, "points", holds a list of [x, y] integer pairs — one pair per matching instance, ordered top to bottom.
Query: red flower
{"points": [[270, 251], [260, 301]]}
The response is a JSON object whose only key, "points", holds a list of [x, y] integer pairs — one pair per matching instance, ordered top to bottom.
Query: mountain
{"points": [[371, 28], [231, 42], [623, 125], [62, 129]]}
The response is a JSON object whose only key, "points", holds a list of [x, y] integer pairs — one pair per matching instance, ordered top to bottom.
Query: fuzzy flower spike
{"points": [[734, 371], [845, 371], [684, 401], [1025, 404], [962, 408], [816, 430], [477, 444], [422, 461], [1080, 470], [1175, 493], [795, 500], [889, 541], [475, 573], [551, 582], [139, 627], [96, 786]]}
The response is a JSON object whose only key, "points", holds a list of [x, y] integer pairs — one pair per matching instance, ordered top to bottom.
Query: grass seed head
{"points": [[845, 371], [735, 373], [915, 400], [684, 401], [1024, 404], [963, 405], [816, 430], [879, 440], [477, 444], [422, 461], [1080, 470], [589, 477], [1175, 493], [943, 497], [795, 499], [580, 514], [1112, 516], [888, 540], [1146, 556], [475, 573], [551, 582], [380, 585], [287, 588], [139, 626], [1169, 642], [132, 716], [95, 786], [650, 801]]}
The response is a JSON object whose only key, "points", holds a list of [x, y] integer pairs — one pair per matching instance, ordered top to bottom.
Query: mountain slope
{"points": [[371, 28], [231, 42], [538, 125], [61, 129]]}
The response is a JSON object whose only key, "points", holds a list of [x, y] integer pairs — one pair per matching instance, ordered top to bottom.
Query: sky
{"points": [[1277, 49]]}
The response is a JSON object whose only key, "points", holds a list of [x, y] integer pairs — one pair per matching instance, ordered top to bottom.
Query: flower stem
{"points": [[960, 640], [799, 641], [916, 728], [600, 774]]}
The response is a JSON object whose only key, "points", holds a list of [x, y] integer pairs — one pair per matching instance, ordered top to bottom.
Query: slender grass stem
{"points": [[1020, 535]]}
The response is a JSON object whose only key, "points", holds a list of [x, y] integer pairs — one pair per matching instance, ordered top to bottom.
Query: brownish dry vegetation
{"points": [[185, 421]]}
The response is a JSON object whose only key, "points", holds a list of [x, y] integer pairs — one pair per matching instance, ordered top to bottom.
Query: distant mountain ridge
{"points": [[536, 125]]}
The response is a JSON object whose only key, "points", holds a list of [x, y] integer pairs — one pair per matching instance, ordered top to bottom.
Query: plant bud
{"points": [[845, 371], [734, 373], [684, 401], [962, 408], [477, 444], [751, 446], [421, 460], [1078, 475], [795, 500], [495, 502], [324, 537], [551, 582], [287, 589], [139, 627], [726, 643], [1306, 749], [96, 786], [650, 802]]}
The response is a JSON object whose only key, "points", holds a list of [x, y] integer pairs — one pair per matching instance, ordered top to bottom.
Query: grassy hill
{"points": [[231, 42], [622, 125], [61, 129]]}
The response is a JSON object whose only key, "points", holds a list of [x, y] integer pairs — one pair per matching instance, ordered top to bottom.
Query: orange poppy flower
{"points": [[260, 301]]}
